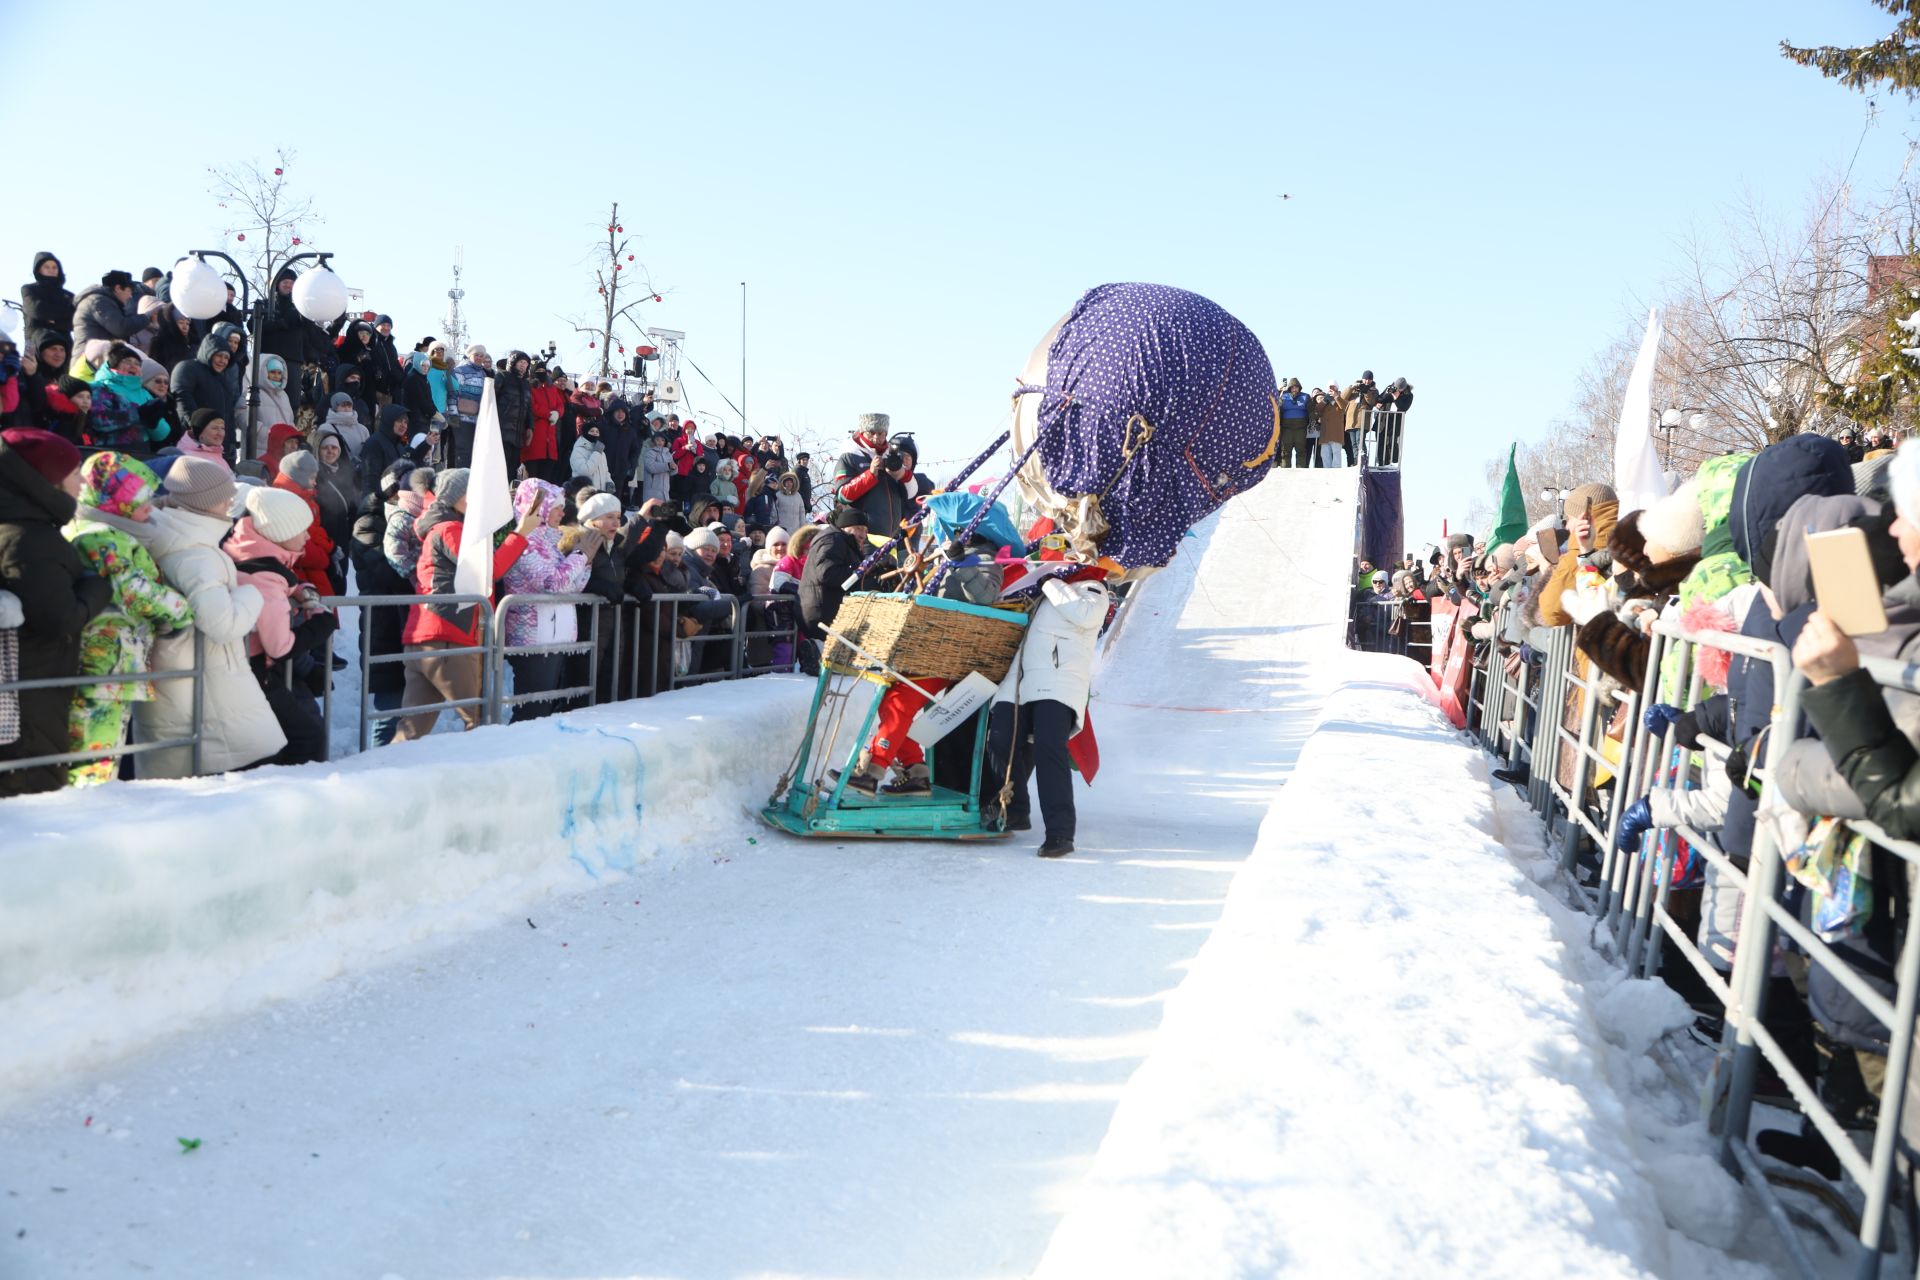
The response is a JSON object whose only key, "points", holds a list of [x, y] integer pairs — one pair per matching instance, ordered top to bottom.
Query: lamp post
{"points": [[319, 295], [1670, 422], [234, 451]]}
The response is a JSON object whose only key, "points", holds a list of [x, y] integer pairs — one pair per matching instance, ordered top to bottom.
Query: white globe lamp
{"points": [[197, 292], [320, 295]]}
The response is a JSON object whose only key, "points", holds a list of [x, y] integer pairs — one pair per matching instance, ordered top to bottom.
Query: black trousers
{"points": [[1039, 746]]}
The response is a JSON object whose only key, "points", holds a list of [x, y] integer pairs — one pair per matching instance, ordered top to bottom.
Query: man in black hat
{"points": [[106, 312]]}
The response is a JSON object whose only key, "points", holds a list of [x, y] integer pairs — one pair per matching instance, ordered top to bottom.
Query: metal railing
{"points": [[1380, 438], [732, 642], [129, 747], [1629, 890]]}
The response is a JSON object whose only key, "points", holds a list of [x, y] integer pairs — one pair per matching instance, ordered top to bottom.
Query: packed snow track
{"points": [[449, 1027]]}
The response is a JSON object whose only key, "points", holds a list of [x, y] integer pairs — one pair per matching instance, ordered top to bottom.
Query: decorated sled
{"points": [[1140, 411], [877, 641]]}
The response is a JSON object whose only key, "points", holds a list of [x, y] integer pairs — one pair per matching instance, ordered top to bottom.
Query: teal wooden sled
{"points": [[811, 802]]}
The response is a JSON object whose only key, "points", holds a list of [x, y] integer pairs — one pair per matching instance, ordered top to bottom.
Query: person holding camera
{"points": [[1328, 409], [876, 476]]}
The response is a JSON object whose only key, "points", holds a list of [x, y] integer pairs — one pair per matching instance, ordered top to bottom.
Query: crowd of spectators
{"points": [[1327, 426], [152, 497], [1727, 551]]}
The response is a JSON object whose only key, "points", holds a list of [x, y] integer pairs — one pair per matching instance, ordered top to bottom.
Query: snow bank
{"points": [[132, 911], [1396, 1055]]}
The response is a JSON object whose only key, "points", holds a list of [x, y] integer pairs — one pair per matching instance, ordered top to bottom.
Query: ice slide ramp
{"points": [[1252, 608], [547, 1000]]}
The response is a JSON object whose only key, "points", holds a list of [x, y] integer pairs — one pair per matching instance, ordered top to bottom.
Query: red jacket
{"points": [[545, 445], [686, 451], [311, 564], [457, 625]]}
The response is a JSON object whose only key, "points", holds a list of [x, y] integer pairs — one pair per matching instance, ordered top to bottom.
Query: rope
{"points": [[986, 504]]}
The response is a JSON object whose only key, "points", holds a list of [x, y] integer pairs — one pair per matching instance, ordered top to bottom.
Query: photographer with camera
{"points": [[1328, 409], [876, 476]]}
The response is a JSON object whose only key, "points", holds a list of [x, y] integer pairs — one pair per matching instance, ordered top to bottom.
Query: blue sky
{"points": [[1480, 199]]}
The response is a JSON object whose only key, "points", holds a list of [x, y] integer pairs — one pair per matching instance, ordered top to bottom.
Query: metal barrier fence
{"points": [[1380, 440], [1379, 626], [719, 652], [1524, 715], [130, 747]]}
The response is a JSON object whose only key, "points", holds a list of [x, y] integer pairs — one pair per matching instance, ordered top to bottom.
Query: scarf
{"points": [[342, 418], [414, 504]]}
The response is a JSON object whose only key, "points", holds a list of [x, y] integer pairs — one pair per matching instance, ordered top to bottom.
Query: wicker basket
{"points": [[925, 636]]}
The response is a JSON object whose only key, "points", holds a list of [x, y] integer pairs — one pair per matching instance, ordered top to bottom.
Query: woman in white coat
{"points": [[276, 406], [1042, 704], [238, 727]]}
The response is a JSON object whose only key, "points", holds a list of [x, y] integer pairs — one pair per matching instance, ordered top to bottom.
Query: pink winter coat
{"points": [[191, 448], [543, 569], [273, 633]]}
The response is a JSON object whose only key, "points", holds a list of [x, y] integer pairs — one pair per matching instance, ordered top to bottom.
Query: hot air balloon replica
{"points": [[1138, 413]]}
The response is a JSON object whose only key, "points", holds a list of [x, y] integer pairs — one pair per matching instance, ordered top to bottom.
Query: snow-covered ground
{"points": [[746, 1055]]}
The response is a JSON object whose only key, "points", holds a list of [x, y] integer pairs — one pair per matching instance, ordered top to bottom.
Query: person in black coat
{"points": [[45, 300], [290, 335], [48, 352], [384, 371], [201, 383], [513, 397], [387, 447], [39, 474], [830, 562], [374, 575]]}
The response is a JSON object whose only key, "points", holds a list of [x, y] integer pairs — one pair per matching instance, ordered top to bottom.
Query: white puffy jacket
{"points": [[1056, 659], [238, 726]]}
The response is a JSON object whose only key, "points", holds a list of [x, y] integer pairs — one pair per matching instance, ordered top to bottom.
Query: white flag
{"points": [[1637, 476], [489, 503]]}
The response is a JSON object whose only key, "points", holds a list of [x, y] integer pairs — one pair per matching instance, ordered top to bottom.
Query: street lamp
{"points": [[313, 302], [1671, 420]]}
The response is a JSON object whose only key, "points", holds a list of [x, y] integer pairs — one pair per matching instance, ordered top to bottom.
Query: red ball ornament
{"points": [[278, 172], [619, 228], [241, 236], [296, 239], [629, 257], [616, 266], [656, 297], [590, 346]]}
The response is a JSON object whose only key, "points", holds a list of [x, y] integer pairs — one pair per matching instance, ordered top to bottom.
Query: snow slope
{"points": [[752, 1056], [759, 1056], [1396, 1056]]}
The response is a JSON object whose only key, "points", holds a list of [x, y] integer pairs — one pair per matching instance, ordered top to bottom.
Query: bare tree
{"points": [[266, 221], [616, 274]]}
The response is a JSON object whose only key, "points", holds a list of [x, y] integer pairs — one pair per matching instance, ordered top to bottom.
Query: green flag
{"points": [[1513, 508]]}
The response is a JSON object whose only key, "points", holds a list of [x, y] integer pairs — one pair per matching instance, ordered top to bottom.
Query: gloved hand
{"points": [[1584, 605], [1483, 631], [1660, 717], [1633, 824]]}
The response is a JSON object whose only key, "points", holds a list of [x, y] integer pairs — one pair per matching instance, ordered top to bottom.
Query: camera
{"points": [[892, 460]]}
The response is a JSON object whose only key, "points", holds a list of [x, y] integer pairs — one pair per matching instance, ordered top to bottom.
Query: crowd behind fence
{"points": [[641, 661], [1581, 747]]}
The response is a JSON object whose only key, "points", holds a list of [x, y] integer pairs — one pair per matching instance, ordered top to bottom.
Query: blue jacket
{"points": [[1293, 404]]}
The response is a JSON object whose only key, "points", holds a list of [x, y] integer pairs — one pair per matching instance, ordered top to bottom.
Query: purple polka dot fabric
{"points": [[1195, 374]]}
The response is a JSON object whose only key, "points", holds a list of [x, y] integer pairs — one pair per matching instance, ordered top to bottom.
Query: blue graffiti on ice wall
{"points": [[596, 827]]}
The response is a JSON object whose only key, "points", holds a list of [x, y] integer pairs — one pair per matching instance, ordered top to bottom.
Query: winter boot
{"points": [[864, 780], [916, 781], [990, 816], [1052, 848]]}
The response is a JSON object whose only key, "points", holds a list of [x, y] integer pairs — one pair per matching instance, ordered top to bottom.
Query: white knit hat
{"points": [[1903, 473], [600, 504], [278, 515], [1674, 525], [777, 534], [702, 538]]}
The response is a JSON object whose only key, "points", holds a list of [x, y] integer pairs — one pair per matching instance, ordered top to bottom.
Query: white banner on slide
{"points": [[951, 709]]}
